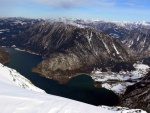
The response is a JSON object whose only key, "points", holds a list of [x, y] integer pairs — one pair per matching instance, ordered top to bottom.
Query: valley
{"points": [[104, 54]]}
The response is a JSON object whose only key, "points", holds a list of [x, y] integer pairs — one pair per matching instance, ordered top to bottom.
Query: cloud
{"points": [[62, 3], [75, 3], [105, 3], [65, 4], [130, 4]]}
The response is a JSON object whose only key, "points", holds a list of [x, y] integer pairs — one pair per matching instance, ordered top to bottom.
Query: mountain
{"points": [[86, 22], [10, 27], [132, 34], [135, 35], [138, 40], [69, 50], [4, 56], [19, 95], [138, 95]]}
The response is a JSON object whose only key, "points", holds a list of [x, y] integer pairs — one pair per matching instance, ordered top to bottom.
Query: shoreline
{"points": [[19, 49], [58, 80]]}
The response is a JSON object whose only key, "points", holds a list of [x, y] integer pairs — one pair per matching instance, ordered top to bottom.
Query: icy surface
{"points": [[17, 99]]}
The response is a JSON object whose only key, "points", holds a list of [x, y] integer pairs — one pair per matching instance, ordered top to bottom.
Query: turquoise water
{"points": [[79, 88]]}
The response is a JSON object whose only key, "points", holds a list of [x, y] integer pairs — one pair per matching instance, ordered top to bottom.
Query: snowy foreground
{"points": [[118, 82], [19, 95]]}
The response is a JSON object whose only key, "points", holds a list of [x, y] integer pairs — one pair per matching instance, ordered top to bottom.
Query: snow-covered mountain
{"points": [[88, 22], [132, 25], [16, 97]]}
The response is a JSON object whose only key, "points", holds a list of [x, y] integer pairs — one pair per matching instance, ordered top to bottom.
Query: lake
{"points": [[80, 88]]}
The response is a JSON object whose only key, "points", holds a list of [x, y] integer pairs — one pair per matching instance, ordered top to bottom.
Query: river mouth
{"points": [[80, 88]]}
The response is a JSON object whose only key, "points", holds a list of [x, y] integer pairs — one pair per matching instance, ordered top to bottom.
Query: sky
{"points": [[114, 10]]}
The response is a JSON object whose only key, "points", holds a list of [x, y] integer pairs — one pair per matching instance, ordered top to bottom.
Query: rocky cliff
{"points": [[138, 39], [4, 56], [138, 95]]}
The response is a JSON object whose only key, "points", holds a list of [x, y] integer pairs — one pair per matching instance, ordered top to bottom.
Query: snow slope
{"points": [[12, 77], [18, 95]]}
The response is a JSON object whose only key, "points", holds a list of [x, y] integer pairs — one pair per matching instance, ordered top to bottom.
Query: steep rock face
{"points": [[45, 37], [138, 39], [69, 50], [4, 56], [138, 95]]}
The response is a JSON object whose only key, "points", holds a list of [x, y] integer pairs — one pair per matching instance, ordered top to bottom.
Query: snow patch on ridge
{"points": [[106, 47], [116, 49]]}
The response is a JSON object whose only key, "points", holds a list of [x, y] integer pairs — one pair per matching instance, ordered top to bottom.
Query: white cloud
{"points": [[62, 3], [75, 3], [105, 4], [130, 4]]}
